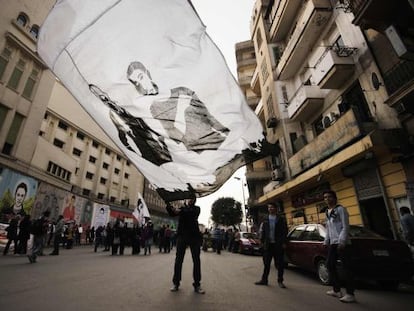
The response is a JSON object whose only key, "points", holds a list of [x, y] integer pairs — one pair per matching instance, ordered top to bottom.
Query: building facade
{"points": [[326, 102]]}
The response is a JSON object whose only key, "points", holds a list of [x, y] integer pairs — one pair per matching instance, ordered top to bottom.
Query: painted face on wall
{"points": [[20, 197]]}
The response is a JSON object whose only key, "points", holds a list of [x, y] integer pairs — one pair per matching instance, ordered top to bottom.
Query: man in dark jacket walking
{"points": [[59, 228], [273, 233], [188, 234]]}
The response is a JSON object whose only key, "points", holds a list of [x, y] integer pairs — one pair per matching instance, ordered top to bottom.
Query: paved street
{"points": [[80, 279]]}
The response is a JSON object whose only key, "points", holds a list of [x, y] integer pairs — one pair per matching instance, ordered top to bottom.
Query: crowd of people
{"points": [[115, 236]]}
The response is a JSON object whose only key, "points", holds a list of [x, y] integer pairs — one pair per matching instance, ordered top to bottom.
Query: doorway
{"points": [[375, 216]]}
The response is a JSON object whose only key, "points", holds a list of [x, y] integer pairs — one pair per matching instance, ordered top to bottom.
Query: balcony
{"points": [[283, 18], [309, 27], [334, 67], [307, 100], [341, 133]]}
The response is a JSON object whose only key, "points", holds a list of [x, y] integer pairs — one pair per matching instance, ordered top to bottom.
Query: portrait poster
{"points": [[17, 193], [48, 198]]}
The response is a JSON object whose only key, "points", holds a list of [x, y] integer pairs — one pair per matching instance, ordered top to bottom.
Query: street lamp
{"points": [[244, 201]]}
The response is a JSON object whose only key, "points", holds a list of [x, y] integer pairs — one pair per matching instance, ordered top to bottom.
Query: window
{"points": [[22, 19], [34, 31], [259, 39], [4, 60], [16, 75], [31, 83], [3, 115], [45, 116], [62, 125], [12, 134], [80, 135], [58, 143], [95, 144], [107, 151], [76, 152], [118, 157], [92, 159], [128, 163], [105, 165], [116, 170], [58, 171], [89, 175], [126, 175], [102, 181], [86, 191], [101, 196], [112, 199], [296, 233]]}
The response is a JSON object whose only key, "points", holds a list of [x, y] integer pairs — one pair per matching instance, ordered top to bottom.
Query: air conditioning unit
{"points": [[329, 119], [278, 175]]}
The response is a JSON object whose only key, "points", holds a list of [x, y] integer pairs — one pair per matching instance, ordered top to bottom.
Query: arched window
{"points": [[22, 19], [34, 31]]}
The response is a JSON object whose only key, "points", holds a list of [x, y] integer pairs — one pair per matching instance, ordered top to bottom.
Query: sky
{"points": [[227, 22]]}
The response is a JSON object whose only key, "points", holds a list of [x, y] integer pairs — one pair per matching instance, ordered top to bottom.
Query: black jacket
{"points": [[188, 220], [281, 231]]}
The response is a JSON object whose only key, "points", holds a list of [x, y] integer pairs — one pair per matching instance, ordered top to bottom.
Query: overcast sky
{"points": [[227, 22]]}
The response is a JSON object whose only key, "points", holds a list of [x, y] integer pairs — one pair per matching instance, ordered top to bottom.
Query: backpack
{"points": [[37, 227]]}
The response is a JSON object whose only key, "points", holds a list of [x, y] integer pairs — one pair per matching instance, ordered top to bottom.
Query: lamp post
{"points": [[244, 202]]}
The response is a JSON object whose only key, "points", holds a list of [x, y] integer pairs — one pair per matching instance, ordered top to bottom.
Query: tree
{"points": [[226, 212]]}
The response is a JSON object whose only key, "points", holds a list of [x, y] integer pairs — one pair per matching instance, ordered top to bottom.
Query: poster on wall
{"points": [[17, 193], [48, 198], [100, 215]]}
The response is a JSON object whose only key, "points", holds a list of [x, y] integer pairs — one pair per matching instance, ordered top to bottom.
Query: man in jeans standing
{"points": [[59, 227], [273, 232], [188, 234], [337, 240]]}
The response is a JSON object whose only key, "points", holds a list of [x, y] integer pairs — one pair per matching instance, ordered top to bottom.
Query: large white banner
{"points": [[152, 78]]}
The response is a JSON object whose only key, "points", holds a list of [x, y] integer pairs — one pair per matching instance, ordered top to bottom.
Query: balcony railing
{"points": [[398, 76], [341, 133]]}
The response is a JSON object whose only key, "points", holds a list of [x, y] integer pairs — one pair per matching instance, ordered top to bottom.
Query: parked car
{"points": [[250, 243], [373, 257]]}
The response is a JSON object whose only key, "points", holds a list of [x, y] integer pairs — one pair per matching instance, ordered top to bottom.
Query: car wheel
{"points": [[323, 272], [389, 284]]}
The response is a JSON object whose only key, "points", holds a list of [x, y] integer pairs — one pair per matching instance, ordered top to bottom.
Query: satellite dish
{"points": [[375, 81]]}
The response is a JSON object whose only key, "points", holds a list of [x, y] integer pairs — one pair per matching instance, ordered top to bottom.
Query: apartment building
{"points": [[321, 72], [47, 140]]}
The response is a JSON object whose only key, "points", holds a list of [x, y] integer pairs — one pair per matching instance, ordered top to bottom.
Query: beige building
{"points": [[325, 101], [44, 132]]}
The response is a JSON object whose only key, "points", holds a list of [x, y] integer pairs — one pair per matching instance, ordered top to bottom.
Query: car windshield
{"points": [[361, 232], [248, 235]]}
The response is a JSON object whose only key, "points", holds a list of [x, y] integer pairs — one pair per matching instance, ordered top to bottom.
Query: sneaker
{"points": [[30, 258], [261, 282], [281, 285], [174, 288], [199, 290], [334, 294], [347, 298]]}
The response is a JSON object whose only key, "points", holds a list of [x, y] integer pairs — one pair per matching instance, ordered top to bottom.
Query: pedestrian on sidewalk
{"points": [[39, 229], [58, 232], [273, 233], [188, 234], [12, 235], [337, 241]]}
